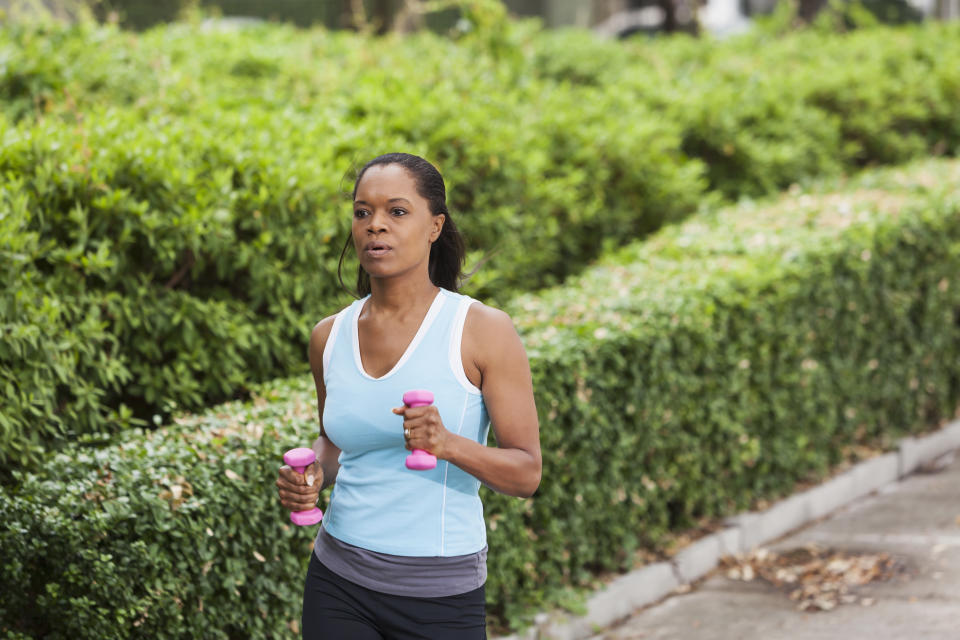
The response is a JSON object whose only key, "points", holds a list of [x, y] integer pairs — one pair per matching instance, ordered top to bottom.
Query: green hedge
{"points": [[768, 110], [177, 199], [207, 242], [730, 357], [720, 362]]}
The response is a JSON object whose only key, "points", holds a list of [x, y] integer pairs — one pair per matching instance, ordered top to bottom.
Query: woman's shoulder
{"points": [[484, 322], [322, 330], [491, 343]]}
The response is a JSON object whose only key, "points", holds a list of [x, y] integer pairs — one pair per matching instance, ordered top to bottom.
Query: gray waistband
{"points": [[420, 577]]}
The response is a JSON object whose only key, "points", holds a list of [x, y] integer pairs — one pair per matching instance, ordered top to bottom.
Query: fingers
{"points": [[417, 416], [418, 424], [424, 430], [422, 440], [314, 475], [289, 476], [299, 492], [300, 499], [291, 504]]}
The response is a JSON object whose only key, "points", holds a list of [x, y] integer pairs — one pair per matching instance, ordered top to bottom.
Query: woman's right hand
{"points": [[300, 491]]}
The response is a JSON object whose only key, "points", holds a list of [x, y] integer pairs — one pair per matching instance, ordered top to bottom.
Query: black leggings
{"points": [[337, 609]]}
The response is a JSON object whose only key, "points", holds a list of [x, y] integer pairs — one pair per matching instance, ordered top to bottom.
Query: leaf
{"points": [[824, 578]]}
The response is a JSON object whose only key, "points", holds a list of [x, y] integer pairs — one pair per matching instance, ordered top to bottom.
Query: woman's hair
{"points": [[447, 253]]}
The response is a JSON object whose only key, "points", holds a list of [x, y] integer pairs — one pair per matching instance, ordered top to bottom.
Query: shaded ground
{"points": [[896, 553]]}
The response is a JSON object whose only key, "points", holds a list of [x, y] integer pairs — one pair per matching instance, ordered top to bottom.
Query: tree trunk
{"points": [[603, 9], [808, 9], [947, 9], [382, 15], [669, 15], [409, 18]]}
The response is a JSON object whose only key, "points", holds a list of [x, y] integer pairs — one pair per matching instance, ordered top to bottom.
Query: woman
{"points": [[402, 553]]}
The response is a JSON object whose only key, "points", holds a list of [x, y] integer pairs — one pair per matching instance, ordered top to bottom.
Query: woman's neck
{"points": [[398, 295]]}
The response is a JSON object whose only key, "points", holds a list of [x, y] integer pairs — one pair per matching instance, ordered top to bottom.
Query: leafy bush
{"points": [[766, 110], [183, 191], [206, 245], [729, 357], [683, 378], [161, 535]]}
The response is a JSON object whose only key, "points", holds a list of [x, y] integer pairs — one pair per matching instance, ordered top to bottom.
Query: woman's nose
{"points": [[376, 222]]}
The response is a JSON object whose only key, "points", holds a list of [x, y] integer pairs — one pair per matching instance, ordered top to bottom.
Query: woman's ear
{"points": [[438, 221]]}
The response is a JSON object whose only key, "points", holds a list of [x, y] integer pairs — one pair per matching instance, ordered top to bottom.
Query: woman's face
{"points": [[392, 224]]}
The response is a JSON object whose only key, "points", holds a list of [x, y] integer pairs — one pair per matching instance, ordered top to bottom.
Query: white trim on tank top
{"points": [[417, 338], [331, 339], [456, 346]]}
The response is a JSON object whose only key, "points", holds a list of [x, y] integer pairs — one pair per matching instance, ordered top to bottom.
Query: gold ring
{"points": [[406, 433]]}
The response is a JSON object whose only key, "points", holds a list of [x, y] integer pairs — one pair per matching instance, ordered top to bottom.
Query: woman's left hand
{"points": [[423, 429]]}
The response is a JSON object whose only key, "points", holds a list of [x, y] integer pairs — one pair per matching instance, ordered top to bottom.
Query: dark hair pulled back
{"points": [[447, 253]]}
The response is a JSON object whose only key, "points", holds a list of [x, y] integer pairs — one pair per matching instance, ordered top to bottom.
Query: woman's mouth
{"points": [[377, 249]]}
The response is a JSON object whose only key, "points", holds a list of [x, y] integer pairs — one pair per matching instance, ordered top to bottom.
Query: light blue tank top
{"points": [[377, 503]]}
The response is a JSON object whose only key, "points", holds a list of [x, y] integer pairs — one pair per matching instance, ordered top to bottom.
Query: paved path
{"points": [[916, 521]]}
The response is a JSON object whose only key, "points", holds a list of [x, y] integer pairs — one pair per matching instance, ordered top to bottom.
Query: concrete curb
{"points": [[917, 451], [744, 532], [618, 599]]}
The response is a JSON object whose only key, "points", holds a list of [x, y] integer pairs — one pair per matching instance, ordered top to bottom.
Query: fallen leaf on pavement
{"points": [[817, 579]]}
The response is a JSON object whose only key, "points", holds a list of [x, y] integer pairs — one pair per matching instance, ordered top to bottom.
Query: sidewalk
{"points": [[905, 504], [916, 521]]}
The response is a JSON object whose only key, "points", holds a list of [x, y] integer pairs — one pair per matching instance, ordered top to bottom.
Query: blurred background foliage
{"points": [[613, 17], [175, 196], [174, 200]]}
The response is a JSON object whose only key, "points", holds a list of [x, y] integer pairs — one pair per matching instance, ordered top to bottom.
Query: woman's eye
{"points": [[398, 212], [359, 213]]}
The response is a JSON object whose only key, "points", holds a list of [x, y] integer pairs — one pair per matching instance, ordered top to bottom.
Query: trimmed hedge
{"points": [[768, 110], [182, 192], [207, 242], [732, 356], [718, 363]]}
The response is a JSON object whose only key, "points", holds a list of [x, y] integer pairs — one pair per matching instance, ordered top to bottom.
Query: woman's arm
{"points": [[494, 357], [328, 453], [299, 492]]}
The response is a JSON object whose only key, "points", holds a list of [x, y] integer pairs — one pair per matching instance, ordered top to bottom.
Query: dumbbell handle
{"points": [[299, 459], [419, 460]]}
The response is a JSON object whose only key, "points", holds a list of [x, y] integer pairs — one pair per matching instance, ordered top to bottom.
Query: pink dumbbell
{"points": [[300, 459], [419, 460]]}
